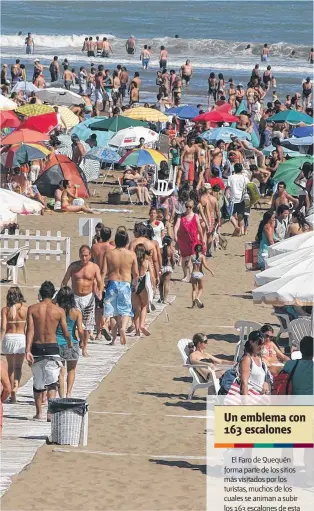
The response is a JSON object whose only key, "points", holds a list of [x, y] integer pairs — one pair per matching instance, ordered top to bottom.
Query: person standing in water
{"points": [[30, 45], [130, 45], [265, 53]]}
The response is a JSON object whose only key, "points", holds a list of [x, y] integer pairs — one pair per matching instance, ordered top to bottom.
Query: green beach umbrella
{"points": [[292, 117], [116, 124], [289, 170]]}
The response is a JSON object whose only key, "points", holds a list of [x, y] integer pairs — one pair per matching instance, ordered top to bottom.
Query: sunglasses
{"points": [[188, 207], [271, 337], [204, 342]]}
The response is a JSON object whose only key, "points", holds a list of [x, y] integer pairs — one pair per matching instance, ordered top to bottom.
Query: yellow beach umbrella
{"points": [[33, 110], [145, 114], [68, 118]]}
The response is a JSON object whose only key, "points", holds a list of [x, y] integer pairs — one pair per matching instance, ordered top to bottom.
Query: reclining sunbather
{"points": [[199, 356]]}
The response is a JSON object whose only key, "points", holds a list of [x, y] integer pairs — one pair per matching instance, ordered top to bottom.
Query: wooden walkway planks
{"points": [[22, 436]]}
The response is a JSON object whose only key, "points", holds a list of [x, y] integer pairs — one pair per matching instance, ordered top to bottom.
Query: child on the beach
{"points": [[198, 262], [168, 263]]}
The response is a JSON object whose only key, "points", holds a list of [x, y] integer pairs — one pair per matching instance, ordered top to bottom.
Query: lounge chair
{"points": [[298, 329], [212, 384]]}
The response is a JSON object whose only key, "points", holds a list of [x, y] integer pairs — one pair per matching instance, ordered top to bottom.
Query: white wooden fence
{"points": [[40, 245]]}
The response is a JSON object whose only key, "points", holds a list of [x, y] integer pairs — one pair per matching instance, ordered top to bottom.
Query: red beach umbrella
{"points": [[215, 116], [8, 119], [43, 123], [24, 135]]}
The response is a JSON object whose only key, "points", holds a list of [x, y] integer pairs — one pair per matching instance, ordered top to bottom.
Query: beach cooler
{"points": [[251, 255], [69, 421]]}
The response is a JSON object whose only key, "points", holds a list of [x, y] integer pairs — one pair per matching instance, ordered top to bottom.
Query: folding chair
{"points": [[124, 189]]}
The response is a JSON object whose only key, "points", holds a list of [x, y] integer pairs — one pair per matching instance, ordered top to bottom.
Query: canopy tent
{"points": [[60, 97], [291, 117], [115, 124], [130, 137], [61, 167], [289, 170], [18, 203]]}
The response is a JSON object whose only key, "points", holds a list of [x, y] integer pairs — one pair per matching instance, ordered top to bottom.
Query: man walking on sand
{"points": [[120, 264], [86, 282], [42, 351]]}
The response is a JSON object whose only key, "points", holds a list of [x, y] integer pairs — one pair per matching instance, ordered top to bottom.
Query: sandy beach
{"points": [[146, 442]]}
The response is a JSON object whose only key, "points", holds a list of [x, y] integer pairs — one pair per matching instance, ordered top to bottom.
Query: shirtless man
{"points": [[30, 45], [130, 45], [84, 47], [90, 47], [99, 47], [106, 47], [265, 53], [145, 57], [163, 57], [38, 67], [54, 69], [186, 72], [67, 78], [124, 78], [39, 80], [78, 151], [188, 161], [282, 197], [210, 214], [140, 237], [98, 253], [120, 264], [86, 281], [42, 351]]}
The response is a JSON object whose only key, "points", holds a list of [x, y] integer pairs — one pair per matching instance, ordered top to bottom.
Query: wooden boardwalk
{"points": [[22, 436]]}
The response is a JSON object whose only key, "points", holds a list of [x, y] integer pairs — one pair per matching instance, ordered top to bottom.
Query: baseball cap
{"points": [[207, 186]]}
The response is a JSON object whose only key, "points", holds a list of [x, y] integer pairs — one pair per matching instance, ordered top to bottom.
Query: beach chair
{"points": [[161, 186], [124, 189], [16, 261], [284, 322], [244, 327], [299, 328], [198, 382]]}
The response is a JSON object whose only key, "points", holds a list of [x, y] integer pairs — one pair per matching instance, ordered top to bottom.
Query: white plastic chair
{"points": [[161, 186], [12, 269], [244, 327], [298, 329], [198, 381]]}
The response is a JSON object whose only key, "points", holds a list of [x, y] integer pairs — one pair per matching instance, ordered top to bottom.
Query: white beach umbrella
{"points": [[25, 86], [58, 96], [7, 103], [130, 137], [310, 219], [296, 242], [288, 257], [286, 269], [288, 290]]}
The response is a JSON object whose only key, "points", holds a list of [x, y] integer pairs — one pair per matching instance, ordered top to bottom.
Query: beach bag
{"points": [[227, 379], [282, 384]]}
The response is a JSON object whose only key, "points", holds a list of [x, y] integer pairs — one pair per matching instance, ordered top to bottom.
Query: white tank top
{"points": [[257, 376]]}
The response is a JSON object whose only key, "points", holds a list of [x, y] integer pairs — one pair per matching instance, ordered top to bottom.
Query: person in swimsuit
{"points": [[130, 45], [99, 47], [265, 53], [311, 56], [145, 57], [163, 58], [267, 77], [212, 88], [306, 92], [231, 93], [67, 198], [298, 224], [198, 262], [168, 263], [142, 295], [13, 323], [270, 352], [199, 356]]}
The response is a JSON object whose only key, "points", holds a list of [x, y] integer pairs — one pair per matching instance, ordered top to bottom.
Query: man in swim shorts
{"points": [[30, 45], [130, 45], [186, 72], [188, 161], [120, 265], [86, 282], [42, 351]]}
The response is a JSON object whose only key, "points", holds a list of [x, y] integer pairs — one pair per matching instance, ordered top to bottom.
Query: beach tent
{"points": [[61, 167], [289, 170]]}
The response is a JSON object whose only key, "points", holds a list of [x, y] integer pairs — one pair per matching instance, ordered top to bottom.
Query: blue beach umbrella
{"points": [[183, 112], [83, 131], [303, 131], [224, 134], [309, 140], [269, 149], [103, 154]]}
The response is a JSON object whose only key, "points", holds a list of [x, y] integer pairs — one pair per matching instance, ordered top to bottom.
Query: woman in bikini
{"points": [[232, 93], [67, 198], [298, 224], [198, 262], [168, 264], [142, 295], [13, 324], [270, 352], [199, 356]]}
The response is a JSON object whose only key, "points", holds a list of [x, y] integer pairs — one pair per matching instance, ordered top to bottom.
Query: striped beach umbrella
{"points": [[146, 114], [68, 118], [22, 153], [91, 169]]}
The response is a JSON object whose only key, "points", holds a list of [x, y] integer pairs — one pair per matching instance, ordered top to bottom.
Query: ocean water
{"points": [[212, 34]]}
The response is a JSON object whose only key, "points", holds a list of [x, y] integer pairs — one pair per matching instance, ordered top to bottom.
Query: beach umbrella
{"points": [[25, 87], [60, 97], [7, 103], [32, 110], [183, 112], [145, 114], [215, 116], [291, 117], [68, 118], [8, 119], [43, 123], [115, 124], [83, 131], [303, 131], [224, 133], [24, 135], [130, 137], [309, 140], [269, 149], [23, 153], [103, 154], [139, 157], [90, 168], [289, 170], [310, 219], [303, 240], [288, 257], [285, 269], [288, 290]]}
